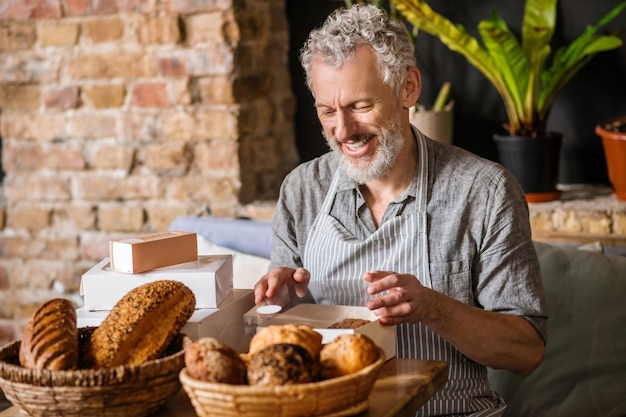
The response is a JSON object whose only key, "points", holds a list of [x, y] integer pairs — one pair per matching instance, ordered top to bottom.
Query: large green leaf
{"points": [[420, 15], [506, 52], [568, 61], [518, 71]]}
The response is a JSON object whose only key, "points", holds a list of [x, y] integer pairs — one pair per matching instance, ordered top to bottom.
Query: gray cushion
{"points": [[583, 372]]}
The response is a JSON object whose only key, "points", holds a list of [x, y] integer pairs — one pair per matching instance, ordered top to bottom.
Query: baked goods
{"points": [[349, 323], [141, 324], [297, 334], [50, 337], [346, 354], [208, 359], [281, 364]]}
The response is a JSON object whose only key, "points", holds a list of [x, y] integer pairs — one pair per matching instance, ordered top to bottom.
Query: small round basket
{"points": [[129, 391], [342, 396]]}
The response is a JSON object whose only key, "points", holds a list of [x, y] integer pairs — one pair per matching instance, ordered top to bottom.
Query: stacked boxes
{"points": [[219, 307]]}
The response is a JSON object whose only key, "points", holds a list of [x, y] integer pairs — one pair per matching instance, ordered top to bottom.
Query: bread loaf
{"points": [[141, 325], [297, 334], [50, 337], [346, 354], [208, 359], [281, 364]]}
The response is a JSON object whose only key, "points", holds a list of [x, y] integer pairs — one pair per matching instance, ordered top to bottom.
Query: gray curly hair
{"points": [[362, 24]]}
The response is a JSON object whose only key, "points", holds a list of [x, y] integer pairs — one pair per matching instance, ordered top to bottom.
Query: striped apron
{"points": [[337, 261]]}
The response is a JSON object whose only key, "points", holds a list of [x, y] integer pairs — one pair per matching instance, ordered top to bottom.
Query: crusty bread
{"points": [[141, 325], [297, 334], [50, 337], [346, 354], [208, 359]]}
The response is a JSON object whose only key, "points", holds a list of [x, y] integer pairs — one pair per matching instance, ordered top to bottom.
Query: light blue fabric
{"points": [[242, 235], [583, 373]]}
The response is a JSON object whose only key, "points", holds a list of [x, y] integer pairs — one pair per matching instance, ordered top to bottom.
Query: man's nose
{"points": [[344, 125]]}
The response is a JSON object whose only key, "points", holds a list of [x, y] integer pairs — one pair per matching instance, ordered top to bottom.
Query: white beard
{"points": [[368, 168]]}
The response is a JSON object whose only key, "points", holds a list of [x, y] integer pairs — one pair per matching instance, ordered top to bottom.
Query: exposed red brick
{"points": [[139, 6], [195, 6], [90, 7], [25, 9], [17, 36], [172, 67], [150, 95], [62, 98], [4, 278]]}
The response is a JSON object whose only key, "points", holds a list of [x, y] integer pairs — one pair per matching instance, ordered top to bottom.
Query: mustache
{"points": [[357, 137]]}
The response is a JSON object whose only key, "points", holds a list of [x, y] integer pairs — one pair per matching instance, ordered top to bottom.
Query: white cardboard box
{"points": [[210, 278], [320, 316], [224, 323]]}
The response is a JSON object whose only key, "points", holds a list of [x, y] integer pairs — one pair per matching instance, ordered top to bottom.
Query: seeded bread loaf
{"points": [[141, 325], [50, 337]]}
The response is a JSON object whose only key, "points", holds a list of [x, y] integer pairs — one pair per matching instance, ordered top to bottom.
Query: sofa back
{"points": [[583, 372]]}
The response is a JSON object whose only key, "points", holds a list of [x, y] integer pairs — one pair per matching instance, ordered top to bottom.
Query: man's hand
{"points": [[270, 284], [406, 300], [497, 340]]}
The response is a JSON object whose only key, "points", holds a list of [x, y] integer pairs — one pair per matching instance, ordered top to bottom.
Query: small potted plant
{"points": [[519, 72], [613, 134]]}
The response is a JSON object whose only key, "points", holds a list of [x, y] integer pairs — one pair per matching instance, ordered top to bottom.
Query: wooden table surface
{"points": [[402, 387]]}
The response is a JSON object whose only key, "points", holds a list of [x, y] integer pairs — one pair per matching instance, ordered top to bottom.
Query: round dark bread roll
{"points": [[346, 354], [208, 359], [281, 364]]}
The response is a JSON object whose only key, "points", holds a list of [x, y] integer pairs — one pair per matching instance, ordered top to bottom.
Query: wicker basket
{"points": [[127, 391], [343, 396]]}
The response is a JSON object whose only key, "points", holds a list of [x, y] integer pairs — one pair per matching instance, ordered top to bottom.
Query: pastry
{"points": [[349, 323], [141, 325], [297, 334], [50, 337], [346, 354], [208, 359], [281, 364]]}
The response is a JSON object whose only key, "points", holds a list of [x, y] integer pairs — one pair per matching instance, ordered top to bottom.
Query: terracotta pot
{"points": [[613, 134]]}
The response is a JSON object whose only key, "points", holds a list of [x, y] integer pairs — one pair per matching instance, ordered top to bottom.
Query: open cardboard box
{"points": [[320, 316]]}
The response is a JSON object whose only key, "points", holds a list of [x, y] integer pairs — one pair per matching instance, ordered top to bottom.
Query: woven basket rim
{"points": [[12, 372], [340, 381]]}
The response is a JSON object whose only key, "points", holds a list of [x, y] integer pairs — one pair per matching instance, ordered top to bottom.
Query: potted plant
{"points": [[520, 74], [436, 121], [613, 134]]}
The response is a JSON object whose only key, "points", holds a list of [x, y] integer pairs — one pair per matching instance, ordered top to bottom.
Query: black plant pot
{"points": [[534, 161]]}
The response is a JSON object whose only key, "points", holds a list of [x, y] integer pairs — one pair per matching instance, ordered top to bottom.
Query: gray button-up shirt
{"points": [[479, 240]]}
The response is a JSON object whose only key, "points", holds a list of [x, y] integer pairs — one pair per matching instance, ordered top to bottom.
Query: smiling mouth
{"points": [[354, 145]]}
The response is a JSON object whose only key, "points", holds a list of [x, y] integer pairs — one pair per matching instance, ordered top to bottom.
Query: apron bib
{"points": [[337, 261]]}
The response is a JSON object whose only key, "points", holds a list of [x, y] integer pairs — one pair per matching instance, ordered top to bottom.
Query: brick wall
{"points": [[118, 116]]}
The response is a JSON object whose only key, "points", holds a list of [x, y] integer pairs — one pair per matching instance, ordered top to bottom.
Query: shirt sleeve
{"points": [[507, 274]]}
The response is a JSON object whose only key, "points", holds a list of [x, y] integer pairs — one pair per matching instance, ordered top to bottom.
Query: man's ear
{"points": [[412, 88]]}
